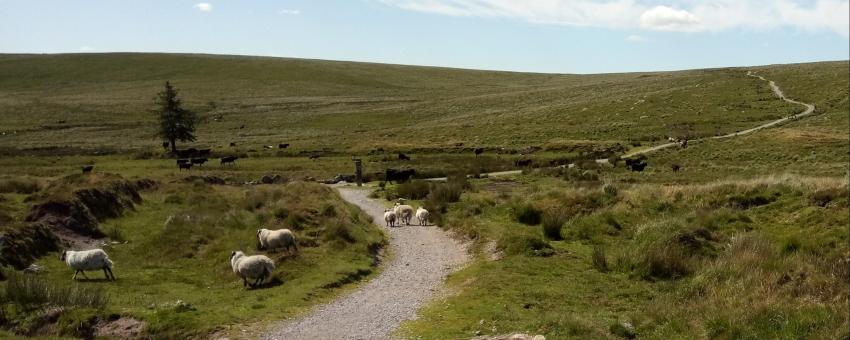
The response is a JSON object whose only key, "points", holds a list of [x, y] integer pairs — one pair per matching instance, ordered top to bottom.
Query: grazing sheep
{"points": [[404, 212], [422, 215], [389, 217], [272, 239], [94, 259], [256, 267]]}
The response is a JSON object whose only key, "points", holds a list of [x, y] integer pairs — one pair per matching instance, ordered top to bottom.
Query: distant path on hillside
{"points": [[776, 90], [421, 259]]}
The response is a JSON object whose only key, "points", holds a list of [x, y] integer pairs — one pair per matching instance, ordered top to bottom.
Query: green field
{"points": [[746, 238]]}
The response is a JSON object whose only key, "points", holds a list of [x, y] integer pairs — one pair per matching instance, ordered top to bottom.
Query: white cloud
{"points": [[203, 6], [289, 12], [669, 15], [663, 18], [636, 38], [86, 49]]}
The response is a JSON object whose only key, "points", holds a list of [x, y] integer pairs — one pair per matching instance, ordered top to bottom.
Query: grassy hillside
{"points": [[101, 101], [755, 259]]}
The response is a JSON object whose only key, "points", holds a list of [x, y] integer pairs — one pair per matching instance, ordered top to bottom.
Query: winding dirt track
{"points": [[776, 90], [421, 259]]}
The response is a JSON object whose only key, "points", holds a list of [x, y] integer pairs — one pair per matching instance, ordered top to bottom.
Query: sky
{"points": [[554, 36]]}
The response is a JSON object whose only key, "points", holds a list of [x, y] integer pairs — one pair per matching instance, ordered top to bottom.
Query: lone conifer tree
{"points": [[175, 122]]}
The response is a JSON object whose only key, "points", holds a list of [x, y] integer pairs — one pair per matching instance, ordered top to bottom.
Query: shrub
{"points": [[18, 185], [413, 190], [823, 197], [526, 213], [553, 220], [592, 227], [115, 233], [525, 245], [599, 260], [34, 291], [78, 323]]}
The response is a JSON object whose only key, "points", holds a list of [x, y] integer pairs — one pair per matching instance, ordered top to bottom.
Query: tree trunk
{"points": [[173, 147]]}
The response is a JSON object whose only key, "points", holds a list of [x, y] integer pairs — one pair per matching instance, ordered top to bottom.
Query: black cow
{"points": [[233, 144], [166, 145], [283, 146], [478, 151], [314, 156], [403, 157], [229, 160], [183, 161], [199, 161], [519, 163], [636, 164], [187, 166], [675, 167], [87, 168], [399, 176]]}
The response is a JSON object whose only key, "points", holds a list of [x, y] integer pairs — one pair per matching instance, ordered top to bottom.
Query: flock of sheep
{"points": [[404, 213], [256, 268]]}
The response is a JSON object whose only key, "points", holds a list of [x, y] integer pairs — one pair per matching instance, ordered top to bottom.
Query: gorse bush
{"points": [[32, 291]]}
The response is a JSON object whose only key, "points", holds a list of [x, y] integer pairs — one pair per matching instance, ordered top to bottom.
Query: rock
{"points": [[34, 269]]}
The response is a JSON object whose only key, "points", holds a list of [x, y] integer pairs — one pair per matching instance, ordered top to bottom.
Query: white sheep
{"points": [[404, 212], [422, 215], [389, 217], [272, 239], [94, 259], [256, 267]]}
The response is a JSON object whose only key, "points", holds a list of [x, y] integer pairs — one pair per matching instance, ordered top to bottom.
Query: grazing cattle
{"points": [[233, 144], [166, 145], [283, 146], [478, 151], [204, 152], [314, 156], [403, 157], [229, 160], [183, 161], [199, 161], [520, 163], [636, 164], [187, 166], [675, 167], [87, 168], [399, 176]]}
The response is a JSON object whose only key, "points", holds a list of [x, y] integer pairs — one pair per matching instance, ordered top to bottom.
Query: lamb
{"points": [[404, 212], [422, 216], [389, 217], [272, 239], [94, 259], [256, 267]]}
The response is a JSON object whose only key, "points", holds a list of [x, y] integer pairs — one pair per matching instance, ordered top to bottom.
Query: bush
{"points": [[18, 185], [413, 190], [823, 197], [526, 213], [553, 220], [592, 227], [525, 245], [599, 260], [33, 291]]}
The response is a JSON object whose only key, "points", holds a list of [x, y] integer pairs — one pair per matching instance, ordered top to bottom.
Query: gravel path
{"points": [[421, 259]]}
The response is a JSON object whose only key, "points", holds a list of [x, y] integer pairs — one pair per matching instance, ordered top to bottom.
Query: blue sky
{"points": [[563, 36]]}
